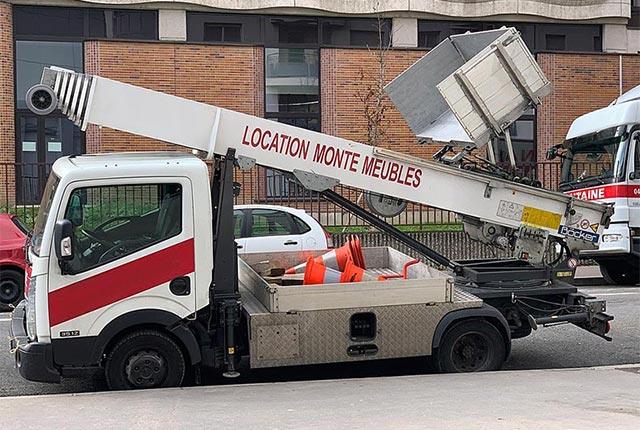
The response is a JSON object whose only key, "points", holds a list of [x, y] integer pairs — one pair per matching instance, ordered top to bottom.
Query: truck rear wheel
{"points": [[620, 274], [470, 346], [144, 359]]}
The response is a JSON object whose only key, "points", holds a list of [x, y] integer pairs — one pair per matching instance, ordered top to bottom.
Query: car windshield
{"points": [[595, 159], [43, 213]]}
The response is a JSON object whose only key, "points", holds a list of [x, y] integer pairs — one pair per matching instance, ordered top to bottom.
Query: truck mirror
{"points": [[74, 210], [62, 240]]}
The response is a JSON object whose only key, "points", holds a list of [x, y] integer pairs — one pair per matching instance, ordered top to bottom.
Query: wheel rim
{"points": [[9, 291], [470, 352], [146, 369]]}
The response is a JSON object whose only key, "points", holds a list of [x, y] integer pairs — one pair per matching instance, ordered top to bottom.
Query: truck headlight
{"points": [[611, 238], [31, 309]]}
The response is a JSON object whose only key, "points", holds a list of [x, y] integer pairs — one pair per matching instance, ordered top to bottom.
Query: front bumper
{"points": [[34, 360]]}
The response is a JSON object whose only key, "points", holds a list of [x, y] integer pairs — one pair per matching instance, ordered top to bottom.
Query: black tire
{"points": [[619, 274], [11, 286], [470, 346], [144, 359]]}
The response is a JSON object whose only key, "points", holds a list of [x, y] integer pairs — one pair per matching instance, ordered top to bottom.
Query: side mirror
{"points": [[74, 211], [62, 240]]}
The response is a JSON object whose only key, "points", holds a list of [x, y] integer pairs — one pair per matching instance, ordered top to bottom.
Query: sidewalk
{"points": [[603, 397]]}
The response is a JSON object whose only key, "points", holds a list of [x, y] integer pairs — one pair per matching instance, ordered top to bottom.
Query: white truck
{"points": [[601, 162], [133, 265]]}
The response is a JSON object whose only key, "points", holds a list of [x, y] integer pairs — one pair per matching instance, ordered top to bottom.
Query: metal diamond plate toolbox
{"points": [[324, 335], [278, 342]]}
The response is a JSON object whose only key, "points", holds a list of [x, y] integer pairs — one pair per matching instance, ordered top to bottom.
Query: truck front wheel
{"points": [[470, 346], [144, 359]]}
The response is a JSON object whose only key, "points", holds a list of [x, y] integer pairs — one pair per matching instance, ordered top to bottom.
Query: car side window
{"points": [[111, 222], [269, 222], [237, 223], [303, 227]]}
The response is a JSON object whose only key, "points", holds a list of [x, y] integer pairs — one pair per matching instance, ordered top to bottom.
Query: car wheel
{"points": [[11, 286], [471, 346], [145, 359]]}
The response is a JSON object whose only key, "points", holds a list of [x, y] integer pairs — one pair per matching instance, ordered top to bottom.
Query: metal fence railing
{"points": [[21, 186]]}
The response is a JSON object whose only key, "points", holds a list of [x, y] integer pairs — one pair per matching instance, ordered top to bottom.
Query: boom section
{"points": [[320, 160]]}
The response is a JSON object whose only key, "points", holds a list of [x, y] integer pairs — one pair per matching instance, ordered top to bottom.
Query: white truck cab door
{"points": [[633, 178], [133, 248]]}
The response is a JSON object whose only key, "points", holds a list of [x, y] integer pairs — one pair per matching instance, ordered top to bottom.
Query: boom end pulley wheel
{"points": [[41, 99]]}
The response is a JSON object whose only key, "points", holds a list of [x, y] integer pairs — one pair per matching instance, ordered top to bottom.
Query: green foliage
{"points": [[27, 214]]}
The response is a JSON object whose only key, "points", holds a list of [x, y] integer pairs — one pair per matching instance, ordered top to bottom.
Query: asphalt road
{"points": [[550, 347]]}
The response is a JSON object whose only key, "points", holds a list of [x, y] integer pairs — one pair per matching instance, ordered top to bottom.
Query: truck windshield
{"points": [[595, 159], [43, 213]]}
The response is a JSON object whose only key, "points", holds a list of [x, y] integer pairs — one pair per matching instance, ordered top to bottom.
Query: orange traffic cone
{"points": [[356, 251], [335, 259], [317, 273], [352, 273]]}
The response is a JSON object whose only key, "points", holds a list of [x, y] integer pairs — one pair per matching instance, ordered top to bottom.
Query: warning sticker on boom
{"points": [[528, 215]]}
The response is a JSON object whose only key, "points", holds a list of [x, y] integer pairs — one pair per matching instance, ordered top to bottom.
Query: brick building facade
{"points": [[180, 57]]}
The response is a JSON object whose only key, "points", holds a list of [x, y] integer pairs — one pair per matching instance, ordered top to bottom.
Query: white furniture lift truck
{"points": [[601, 162], [151, 288]]}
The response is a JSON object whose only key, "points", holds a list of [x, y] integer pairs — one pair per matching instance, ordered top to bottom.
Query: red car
{"points": [[13, 233]]}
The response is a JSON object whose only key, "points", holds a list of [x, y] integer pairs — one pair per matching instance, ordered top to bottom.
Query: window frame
{"points": [[86, 18]]}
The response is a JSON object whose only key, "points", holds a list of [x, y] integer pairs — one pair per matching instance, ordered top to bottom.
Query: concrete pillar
{"points": [[172, 24], [404, 32], [614, 38], [633, 38]]}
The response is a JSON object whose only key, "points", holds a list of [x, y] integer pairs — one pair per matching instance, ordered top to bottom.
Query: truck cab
{"points": [[602, 163], [114, 227]]}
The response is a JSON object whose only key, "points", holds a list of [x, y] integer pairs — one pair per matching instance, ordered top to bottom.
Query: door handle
{"points": [[291, 242], [239, 246]]}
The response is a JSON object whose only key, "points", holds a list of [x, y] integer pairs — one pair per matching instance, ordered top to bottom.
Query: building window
{"points": [[634, 21], [48, 22], [63, 23], [123, 24], [224, 28], [291, 31], [219, 32], [365, 32], [537, 37], [568, 37], [555, 42], [33, 56], [292, 82], [41, 140]]}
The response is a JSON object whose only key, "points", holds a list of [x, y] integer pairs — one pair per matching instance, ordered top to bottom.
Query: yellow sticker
{"points": [[540, 218], [594, 227], [231, 350]]}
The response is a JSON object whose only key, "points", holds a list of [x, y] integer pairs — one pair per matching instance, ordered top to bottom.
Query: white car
{"points": [[268, 228]]}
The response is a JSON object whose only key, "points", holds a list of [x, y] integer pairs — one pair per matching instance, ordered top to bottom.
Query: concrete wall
{"points": [[555, 9]]}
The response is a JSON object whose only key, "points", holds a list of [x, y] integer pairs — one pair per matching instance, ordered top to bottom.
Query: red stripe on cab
{"points": [[121, 282]]}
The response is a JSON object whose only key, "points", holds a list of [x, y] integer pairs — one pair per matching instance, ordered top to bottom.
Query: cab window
{"points": [[114, 221]]}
